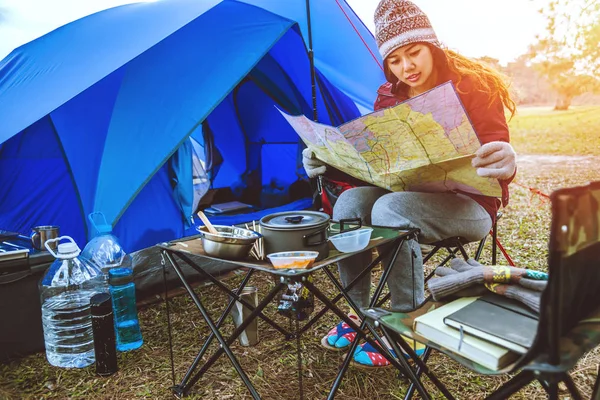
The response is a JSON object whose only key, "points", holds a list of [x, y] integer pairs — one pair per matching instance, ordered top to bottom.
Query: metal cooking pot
{"points": [[296, 231]]}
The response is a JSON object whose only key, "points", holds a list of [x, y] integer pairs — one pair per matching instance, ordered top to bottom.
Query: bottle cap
{"points": [[68, 250], [120, 276], [100, 304]]}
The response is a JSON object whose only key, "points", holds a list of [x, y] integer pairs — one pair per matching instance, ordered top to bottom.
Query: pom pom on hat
{"points": [[400, 22]]}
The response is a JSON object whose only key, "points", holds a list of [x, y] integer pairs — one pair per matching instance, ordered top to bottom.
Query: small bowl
{"points": [[231, 242], [349, 242], [293, 259]]}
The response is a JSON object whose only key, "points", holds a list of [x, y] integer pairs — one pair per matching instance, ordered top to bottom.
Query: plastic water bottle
{"points": [[104, 249], [65, 293], [127, 326]]}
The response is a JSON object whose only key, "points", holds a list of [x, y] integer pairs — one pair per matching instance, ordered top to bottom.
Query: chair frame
{"points": [[456, 244], [570, 297]]}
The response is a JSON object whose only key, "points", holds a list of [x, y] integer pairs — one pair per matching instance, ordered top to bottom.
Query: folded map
{"points": [[423, 144]]}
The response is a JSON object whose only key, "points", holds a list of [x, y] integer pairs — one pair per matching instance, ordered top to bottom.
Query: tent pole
{"points": [[311, 59]]}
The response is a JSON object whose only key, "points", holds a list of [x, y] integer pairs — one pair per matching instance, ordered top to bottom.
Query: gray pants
{"points": [[438, 215]]}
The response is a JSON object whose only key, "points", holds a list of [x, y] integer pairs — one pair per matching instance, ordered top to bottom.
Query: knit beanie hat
{"points": [[400, 22]]}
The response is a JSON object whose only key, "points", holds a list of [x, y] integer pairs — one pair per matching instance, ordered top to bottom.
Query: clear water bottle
{"points": [[104, 249], [65, 293], [127, 326]]}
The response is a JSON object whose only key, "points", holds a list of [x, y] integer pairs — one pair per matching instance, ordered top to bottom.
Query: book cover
{"points": [[223, 208], [7, 234], [13, 254], [511, 304], [496, 324], [432, 327]]}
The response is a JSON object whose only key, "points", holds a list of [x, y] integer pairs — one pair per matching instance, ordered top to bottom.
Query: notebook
{"points": [[223, 208], [7, 234], [10, 251], [510, 304], [499, 320], [431, 326]]}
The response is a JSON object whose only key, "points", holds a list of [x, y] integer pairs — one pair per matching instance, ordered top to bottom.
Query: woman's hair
{"points": [[486, 78]]}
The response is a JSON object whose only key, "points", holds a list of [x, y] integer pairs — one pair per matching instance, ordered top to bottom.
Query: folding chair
{"points": [[456, 244], [569, 323]]}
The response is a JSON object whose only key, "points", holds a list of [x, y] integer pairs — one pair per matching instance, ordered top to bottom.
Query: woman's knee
{"points": [[357, 203], [393, 210]]}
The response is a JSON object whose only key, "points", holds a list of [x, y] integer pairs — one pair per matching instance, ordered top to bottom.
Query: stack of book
{"points": [[224, 208], [9, 250], [491, 330]]}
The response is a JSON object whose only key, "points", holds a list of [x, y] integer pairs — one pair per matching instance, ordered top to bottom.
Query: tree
{"points": [[568, 55], [527, 84]]}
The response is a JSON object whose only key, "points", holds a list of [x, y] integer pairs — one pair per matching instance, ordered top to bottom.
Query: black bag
{"points": [[329, 190], [20, 309]]}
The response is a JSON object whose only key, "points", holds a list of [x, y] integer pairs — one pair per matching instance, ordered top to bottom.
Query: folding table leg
{"points": [[164, 269], [227, 290], [338, 297], [210, 338], [225, 343], [299, 359], [399, 364]]}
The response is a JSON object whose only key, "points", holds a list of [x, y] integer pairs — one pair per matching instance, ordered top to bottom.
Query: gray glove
{"points": [[495, 160], [313, 166], [463, 277]]}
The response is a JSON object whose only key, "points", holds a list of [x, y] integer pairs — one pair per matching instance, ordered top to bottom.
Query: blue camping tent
{"points": [[96, 115]]}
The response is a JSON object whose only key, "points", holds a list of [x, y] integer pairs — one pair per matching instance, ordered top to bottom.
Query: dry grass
{"points": [[271, 365]]}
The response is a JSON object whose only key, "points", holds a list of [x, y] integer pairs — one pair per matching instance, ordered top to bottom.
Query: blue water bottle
{"points": [[127, 326]]}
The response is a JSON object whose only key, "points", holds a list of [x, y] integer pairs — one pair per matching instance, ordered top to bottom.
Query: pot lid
{"points": [[294, 220]]}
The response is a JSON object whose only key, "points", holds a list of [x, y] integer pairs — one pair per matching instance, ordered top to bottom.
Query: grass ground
{"points": [[540, 130], [146, 373]]}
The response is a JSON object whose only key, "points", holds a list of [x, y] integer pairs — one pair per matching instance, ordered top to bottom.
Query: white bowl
{"points": [[352, 241], [293, 259]]}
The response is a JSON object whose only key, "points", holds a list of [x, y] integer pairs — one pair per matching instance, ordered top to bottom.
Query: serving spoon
{"points": [[207, 223]]}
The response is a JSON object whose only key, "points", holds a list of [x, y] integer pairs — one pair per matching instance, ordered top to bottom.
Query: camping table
{"points": [[192, 245]]}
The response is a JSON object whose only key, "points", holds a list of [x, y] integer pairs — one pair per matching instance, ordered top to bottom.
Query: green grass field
{"points": [[540, 130], [271, 365]]}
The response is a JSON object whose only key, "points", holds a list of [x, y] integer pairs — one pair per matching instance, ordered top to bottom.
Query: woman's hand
{"points": [[495, 160], [313, 166]]}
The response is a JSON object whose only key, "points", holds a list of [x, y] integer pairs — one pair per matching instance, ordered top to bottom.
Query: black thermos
{"points": [[104, 334]]}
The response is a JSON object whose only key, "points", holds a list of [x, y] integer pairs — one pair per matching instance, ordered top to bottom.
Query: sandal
{"points": [[341, 336], [367, 357]]}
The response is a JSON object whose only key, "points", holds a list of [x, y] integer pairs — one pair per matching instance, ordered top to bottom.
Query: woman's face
{"points": [[413, 65]]}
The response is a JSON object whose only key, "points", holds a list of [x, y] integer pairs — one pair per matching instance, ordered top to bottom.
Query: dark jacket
{"points": [[488, 121]]}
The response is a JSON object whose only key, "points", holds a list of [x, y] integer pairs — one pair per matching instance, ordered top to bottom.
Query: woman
{"points": [[414, 62]]}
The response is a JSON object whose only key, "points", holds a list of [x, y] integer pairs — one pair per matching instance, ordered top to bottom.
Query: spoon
{"points": [[207, 223]]}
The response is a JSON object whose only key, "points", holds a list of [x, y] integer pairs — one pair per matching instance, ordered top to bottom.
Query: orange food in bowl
{"points": [[293, 259], [299, 264]]}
